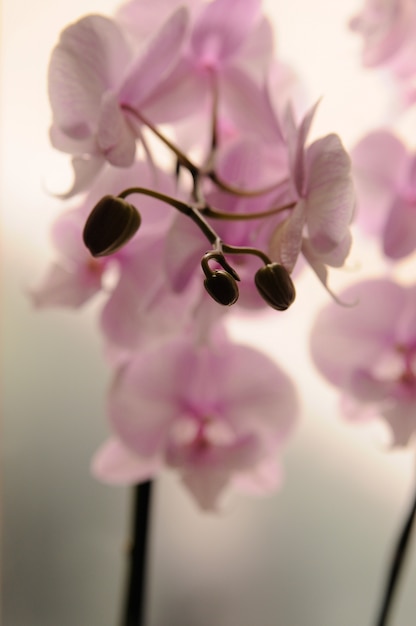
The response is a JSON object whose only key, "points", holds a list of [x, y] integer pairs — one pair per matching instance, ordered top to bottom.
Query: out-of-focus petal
{"points": [[221, 28], [159, 56], [248, 106], [114, 137], [379, 163], [85, 171], [399, 233], [181, 262], [63, 287], [346, 339], [114, 463]]}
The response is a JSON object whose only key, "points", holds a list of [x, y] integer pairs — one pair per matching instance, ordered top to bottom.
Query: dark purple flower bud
{"points": [[110, 225], [275, 286], [222, 287]]}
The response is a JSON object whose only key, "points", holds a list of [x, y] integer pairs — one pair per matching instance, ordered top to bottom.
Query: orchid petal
{"points": [[221, 29], [160, 55], [85, 63], [114, 138], [379, 161], [330, 195], [399, 236], [286, 240], [63, 287], [344, 339], [115, 464]]}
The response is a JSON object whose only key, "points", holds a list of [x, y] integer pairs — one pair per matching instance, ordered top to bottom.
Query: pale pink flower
{"points": [[388, 29], [93, 76], [385, 177], [321, 188], [139, 302], [369, 352], [217, 413]]}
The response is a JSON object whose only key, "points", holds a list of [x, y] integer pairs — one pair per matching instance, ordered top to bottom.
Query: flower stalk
{"points": [[396, 567], [133, 613]]}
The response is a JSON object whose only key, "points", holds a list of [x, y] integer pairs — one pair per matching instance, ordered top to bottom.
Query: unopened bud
{"points": [[110, 225], [275, 286], [222, 287]]}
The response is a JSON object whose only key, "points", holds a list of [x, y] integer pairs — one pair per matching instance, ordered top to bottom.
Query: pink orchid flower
{"points": [[388, 29], [94, 78], [384, 174], [322, 193], [76, 276], [369, 352], [217, 413]]}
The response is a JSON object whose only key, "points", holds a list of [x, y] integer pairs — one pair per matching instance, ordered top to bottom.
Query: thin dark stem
{"points": [[396, 567], [135, 592]]}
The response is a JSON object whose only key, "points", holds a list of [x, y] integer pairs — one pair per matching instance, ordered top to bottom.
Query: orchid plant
{"points": [[198, 193]]}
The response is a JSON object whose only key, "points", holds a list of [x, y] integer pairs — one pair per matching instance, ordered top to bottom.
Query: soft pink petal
{"points": [[221, 30], [256, 53], [160, 55], [85, 63], [178, 96], [248, 106], [114, 137], [296, 144], [379, 162], [85, 171], [330, 196], [399, 233], [286, 240], [181, 262], [63, 287], [348, 338], [146, 396], [266, 403], [114, 463], [265, 478]]}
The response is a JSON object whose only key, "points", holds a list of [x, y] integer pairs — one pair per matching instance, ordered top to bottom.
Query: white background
{"points": [[314, 554]]}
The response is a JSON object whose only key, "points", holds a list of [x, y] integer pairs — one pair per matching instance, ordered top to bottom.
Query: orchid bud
{"points": [[110, 225], [275, 286], [222, 287]]}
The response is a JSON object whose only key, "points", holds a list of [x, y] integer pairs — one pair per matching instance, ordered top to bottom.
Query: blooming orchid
{"points": [[96, 84], [322, 202], [368, 351], [217, 413]]}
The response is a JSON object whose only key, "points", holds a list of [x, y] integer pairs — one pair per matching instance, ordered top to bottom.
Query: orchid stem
{"points": [[396, 567], [135, 593]]}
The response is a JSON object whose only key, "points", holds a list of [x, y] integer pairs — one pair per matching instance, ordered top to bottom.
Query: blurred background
{"points": [[314, 554]]}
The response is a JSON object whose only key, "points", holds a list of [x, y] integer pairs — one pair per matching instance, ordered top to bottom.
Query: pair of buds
{"points": [[113, 222], [273, 282]]}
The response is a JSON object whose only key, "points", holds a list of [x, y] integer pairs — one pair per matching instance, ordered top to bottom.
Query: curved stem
{"points": [[181, 156], [243, 193], [182, 207], [222, 215], [245, 250], [396, 567], [135, 592]]}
